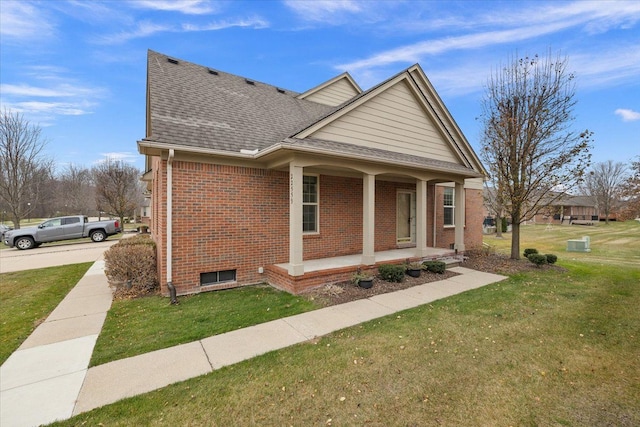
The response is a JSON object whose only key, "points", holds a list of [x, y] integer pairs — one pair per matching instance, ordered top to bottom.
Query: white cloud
{"points": [[188, 7], [320, 10], [24, 21], [255, 23], [143, 29], [147, 29], [62, 90], [43, 109], [628, 115]]}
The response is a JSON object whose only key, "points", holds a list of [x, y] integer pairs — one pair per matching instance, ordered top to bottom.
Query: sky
{"points": [[77, 68]]}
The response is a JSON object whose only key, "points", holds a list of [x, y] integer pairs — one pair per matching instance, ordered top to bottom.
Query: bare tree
{"points": [[527, 141], [24, 170], [603, 184], [118, 189], [76, 193], [630, 194]]}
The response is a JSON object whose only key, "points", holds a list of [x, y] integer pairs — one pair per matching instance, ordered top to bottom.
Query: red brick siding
{"points": [[227, 218], [237, 218], [340, 219], [445, 237]]}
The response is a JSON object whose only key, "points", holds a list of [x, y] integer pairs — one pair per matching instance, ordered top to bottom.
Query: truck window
{"points": [[70, 220], [56, 222]]}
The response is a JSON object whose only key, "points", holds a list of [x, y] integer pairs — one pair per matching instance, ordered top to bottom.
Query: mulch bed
{"points": [[343, 292]]}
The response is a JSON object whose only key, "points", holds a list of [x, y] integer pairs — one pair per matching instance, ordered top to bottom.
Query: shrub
{"points": [[529, 251], [537, 259], [551, 259], [132, 261], [435, 266], [391, 272]]}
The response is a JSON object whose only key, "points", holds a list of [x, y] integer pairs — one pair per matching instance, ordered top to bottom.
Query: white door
{"points": [[406, 217]]}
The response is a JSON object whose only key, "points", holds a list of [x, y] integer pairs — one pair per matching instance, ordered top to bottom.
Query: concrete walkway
{"points": [[47, 378]]}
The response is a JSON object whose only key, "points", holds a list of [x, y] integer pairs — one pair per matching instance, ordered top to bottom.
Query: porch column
{"points": [[459, 216], [421, 218], [368, 219], [296, 267]]}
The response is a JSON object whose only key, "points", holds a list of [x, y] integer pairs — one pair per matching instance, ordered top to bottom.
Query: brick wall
{"points": [[237, 218]]}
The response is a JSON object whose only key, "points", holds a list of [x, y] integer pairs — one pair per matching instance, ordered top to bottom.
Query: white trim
{"points": [[317, 204]]}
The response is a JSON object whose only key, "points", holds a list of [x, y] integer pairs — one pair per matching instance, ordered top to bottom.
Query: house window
{"points": [[310, 204], [449, 207], [216, 277]]}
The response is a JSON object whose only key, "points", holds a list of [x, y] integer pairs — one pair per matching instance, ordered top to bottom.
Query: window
{"points": [[309, 204], [449, 207], [70, 220], [217, 277]]}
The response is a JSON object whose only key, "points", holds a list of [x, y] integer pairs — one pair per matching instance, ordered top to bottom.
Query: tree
{"points": [[533, 154], [24, 170], [603, 184], [118, 189], [76, 193], [630, 193]]}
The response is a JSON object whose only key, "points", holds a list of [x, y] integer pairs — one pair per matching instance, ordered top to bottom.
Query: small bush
{"points": [[529, 251], [537, 259], [551, 259], [132, 261], [435, 266], [391, 273]]}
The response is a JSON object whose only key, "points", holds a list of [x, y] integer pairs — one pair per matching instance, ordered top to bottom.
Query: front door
{"points": [[406, 217]]}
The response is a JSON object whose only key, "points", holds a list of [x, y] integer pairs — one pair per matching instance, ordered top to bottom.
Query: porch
{"points": [[323, 271]]}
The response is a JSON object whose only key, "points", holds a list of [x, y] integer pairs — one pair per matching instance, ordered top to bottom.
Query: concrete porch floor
{"points": [[356, 260]]}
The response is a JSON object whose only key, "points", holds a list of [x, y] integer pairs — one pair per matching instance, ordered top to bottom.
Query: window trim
{"points": [[316, 204], [452, 206]]}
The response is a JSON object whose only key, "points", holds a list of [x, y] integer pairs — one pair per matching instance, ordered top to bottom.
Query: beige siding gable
{"points": [[334, 92], [393, 120]]}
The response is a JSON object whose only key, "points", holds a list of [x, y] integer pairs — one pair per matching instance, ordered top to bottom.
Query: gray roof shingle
{"points": [[192, 107]]}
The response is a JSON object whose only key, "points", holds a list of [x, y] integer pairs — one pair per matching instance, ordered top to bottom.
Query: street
{"points": [[52, 255]]}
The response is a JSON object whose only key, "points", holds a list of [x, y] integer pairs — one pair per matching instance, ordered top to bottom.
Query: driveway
{"points": [[49, 256]]}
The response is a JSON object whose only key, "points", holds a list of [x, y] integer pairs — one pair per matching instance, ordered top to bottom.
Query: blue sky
{"points": [[78, 68]]}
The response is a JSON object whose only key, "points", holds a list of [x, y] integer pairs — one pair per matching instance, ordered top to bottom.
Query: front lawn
{"points": [[28, 297], [146, 324], [545, 347]]}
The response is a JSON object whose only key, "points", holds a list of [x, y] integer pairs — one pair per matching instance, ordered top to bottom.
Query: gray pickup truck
{"points": [[62, 228]]}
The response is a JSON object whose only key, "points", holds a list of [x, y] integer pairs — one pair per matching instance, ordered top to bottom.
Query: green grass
{"points": [[617, 243], [28, 297], [142, 325], [547, 347]]}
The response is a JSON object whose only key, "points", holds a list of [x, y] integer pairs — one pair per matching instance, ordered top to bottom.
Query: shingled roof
{"points": [[190, 105], [196, 106]]}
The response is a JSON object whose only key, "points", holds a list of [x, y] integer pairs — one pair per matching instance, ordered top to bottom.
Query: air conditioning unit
{"points": [[579, 245]]}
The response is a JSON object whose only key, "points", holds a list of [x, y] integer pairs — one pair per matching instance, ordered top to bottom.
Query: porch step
{"points": [[451, 261]]}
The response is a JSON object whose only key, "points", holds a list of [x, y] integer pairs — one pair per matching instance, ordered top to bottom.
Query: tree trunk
{"points": [[499, 226], [515, 238]]}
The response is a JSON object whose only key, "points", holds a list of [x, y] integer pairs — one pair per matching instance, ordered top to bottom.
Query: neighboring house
{"points": [[255, 183], [569, 209], [144, 211]]}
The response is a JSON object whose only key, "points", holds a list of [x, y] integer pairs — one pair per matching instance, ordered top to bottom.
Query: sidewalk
{"points": [[47, 378]]}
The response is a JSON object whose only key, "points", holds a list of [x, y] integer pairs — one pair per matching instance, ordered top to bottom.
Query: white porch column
{"points": [[459, 216], [421, 218], [368, 219], [296, 267]]}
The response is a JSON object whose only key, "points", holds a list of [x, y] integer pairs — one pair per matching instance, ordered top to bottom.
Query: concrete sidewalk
{"points": [[48, 379]]}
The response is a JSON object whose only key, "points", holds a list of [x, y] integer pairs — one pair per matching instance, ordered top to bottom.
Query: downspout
{"points": [[172, 289]]}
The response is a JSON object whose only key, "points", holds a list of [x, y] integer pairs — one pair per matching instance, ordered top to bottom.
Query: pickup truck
{"points": [[62, 228]]}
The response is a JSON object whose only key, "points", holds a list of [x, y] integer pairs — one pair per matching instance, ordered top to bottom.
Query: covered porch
{"points": [[339, 269]]}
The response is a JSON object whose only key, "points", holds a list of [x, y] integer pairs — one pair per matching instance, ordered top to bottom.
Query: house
{"points": [[256, 183], [569, 209]]}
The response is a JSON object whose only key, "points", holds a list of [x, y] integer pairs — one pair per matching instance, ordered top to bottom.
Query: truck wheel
{"points": [[98, 236], [24, 243]]}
